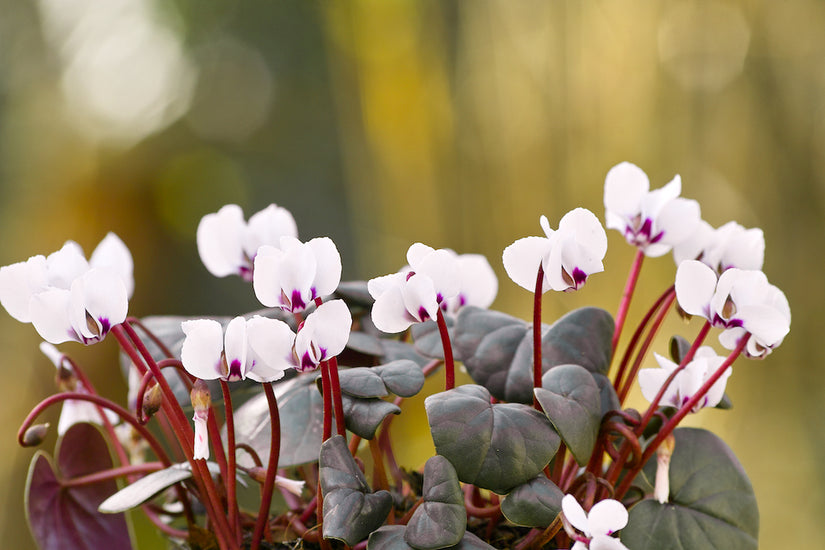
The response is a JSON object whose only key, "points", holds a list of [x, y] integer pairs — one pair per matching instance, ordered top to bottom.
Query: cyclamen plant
{"points": [[539, 452]]}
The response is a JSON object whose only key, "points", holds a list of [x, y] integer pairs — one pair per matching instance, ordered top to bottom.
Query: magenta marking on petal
{"points": [[646, 228], [657, 237], [410, 274], [579, 277], [313, 293], [439, 298], [462, 300], [298, 303], [422, 314], [105, 325], [307, 363], [234, 371]]}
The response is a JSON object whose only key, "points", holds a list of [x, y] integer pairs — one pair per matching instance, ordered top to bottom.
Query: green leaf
{"points": [[582, 337], [402, 377], [361, 382], [607, 395], [570, 398], [301, 410], [363, 416], [496, 447], [712, 503], [533, 504], [351, 511], [67, 517], [441, 520], [391, 537]]}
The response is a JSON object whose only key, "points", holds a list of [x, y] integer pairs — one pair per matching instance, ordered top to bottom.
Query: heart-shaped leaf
{"points": [[498, 349], [403, 378], [607, 395], [570, 398], [301, 411], [363, 416], [496, 447], [712, 503], [533, 504], [351, 511], [67, 517], [441, 520], [391, 537]]}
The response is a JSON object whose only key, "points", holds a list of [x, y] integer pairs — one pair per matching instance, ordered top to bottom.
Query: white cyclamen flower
{"points": [[653, 221], [227, 244], [728, 246], [568, 255], [292, 276], [478, 284], [415, 294], [60, 295], [742, 302], [322, 336], [257, 348], [687, 382], [74, 411], [605, 518]]}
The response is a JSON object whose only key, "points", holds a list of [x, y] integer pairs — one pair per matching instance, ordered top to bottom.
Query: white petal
{"points": [[624, 187], [653, 202], [678, 220], [267, 227], [587, 229], [220, 241], [695, 245], [745, 249], [113, 254], [416, 254], [522, 260], [66, 265], [328, 265], [441, 266], [553, 267], [297, 269], [266, 279], [19, 282], [479, 284], [377, 286], [695, 286], [419, 294], [101, 295], [389, 313], [50, 316], [330, 325], [767, 325], [270, 343], [202, 348], [235, 348], [650, 382], [717, 390], [75, 412], [201, 444], [292, 485], [575, 513], [607, 516], [602, 542]]}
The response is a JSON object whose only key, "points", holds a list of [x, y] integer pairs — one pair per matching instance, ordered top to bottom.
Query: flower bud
{"points": [[152, 400], [201, 401], [35, 435], [662, 488]]}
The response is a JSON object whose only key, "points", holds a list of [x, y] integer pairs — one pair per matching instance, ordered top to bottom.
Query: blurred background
{"points": [[381, 123]]}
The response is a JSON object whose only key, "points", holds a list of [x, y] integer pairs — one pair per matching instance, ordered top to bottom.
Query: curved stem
{"points": [[627, 295], [449, 365], [272, 466], [113, 473], [476, 511]]}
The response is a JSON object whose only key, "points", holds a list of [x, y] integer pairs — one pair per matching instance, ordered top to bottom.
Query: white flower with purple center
{"points": [[653, 221], [227, 244], [728, 246], [567, 255], [292, 276], [416, 293], [742, 302], [61, 314], [322, 336], [257, 348], [687, 382], [593, 530]]}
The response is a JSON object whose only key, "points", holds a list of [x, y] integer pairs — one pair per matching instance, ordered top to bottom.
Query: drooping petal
{"points": [[624, 187], [655, 201], [267, 227], [220, 241], [695, 245], [113, 254], [416, 254], [522, 260], [328, 265], [266, 280], [19, 282], [695, 286], [419, 295], [99, 301], [389, 313], [50, 316], [325, 332], [270, 342], [202, 348], [235, 349], [201, 444], [291, 485], [575, 514], [606, 517]]}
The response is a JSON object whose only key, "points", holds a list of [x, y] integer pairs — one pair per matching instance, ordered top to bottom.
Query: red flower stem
{"points": [[627, 295], [631, 346], [642, 353], [537, 370], [449, 373], [327, 397], [337, 402], [671, 424], [186, 437], [558, 464], [272, 466], [113, 473], [379, 474], [229, 478], [476, 511]]}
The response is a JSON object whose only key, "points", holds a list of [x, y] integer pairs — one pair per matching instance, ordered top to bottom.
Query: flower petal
{"points": [[624, 187], [678, 220], [267, 227], [220, 241], [113, 254], [522, 260], [66, 265], [328, 265], [19, 282], [479, 284], [695, 286], [101, 295], [389, 313], [50, 315], [330, 325], [270, 342], [202, 348], [235, 349], [575, 514], [606, 517]]}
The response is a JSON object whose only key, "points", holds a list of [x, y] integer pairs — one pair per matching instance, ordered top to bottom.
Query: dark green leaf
{"points": [[427, 337], [582, 337], [403, 377], [362, 382], [607, 395], [570, 398], [363, 416], [496, 447], [712, 503], [533, 504], [351, 511], [67, 517], [441, 520], [391, 537]]}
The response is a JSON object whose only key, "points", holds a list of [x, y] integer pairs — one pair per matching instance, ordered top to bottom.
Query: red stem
{"points": [[627, 295], [537, 334], [449, 372], [327, 397], [337, 402], [272, 466], [113, 473], [229, 478]]}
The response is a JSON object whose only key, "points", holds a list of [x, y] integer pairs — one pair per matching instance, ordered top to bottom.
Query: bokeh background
{"points": [[381, 123]]}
